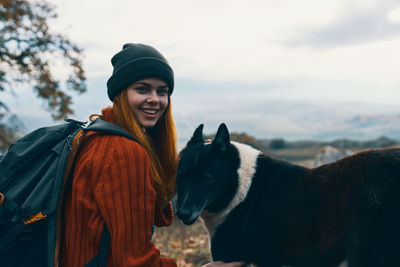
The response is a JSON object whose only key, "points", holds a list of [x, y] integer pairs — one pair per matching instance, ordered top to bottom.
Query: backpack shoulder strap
{"points": [[109, 127]]}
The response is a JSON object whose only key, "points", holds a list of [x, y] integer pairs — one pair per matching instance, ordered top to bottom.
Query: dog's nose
{"points": [[184, 214]]}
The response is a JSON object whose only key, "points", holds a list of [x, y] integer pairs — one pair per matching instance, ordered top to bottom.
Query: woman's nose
{"points": [[152, 97]]}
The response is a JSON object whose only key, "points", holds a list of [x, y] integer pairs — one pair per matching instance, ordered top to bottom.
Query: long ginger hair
{"points": [[159, 142]]}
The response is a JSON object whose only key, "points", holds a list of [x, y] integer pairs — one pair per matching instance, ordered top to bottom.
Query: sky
{"points": [[309, 69]]}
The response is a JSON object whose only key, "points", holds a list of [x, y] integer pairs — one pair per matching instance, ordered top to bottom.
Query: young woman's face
{"points": [[148, 99]]}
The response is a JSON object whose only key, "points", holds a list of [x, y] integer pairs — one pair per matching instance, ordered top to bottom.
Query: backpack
{"points": [[34, 173]]}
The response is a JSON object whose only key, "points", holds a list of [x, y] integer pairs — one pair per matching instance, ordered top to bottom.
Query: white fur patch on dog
{"points": [[248, 158]]}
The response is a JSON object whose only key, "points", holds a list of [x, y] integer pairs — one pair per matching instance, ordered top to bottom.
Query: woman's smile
{"points": [[148, 99], [150, 111]]}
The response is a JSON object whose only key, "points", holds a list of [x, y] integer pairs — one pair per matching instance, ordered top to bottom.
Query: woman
{"points": [[119, 183]]}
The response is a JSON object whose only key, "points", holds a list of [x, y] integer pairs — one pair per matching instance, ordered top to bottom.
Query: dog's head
{"points": [[207, 175]]}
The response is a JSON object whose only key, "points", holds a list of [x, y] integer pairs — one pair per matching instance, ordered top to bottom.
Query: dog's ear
{"points": [[197, 136], [221, 141]]}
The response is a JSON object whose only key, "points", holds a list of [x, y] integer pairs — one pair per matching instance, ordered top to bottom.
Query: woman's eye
{"points": [[141, 90], [162, 92]]}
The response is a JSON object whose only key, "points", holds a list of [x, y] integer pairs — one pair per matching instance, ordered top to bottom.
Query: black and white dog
{"points": [[271, 213]]}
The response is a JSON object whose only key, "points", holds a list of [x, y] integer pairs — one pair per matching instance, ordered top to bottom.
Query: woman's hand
{"points": [[223, 264]]}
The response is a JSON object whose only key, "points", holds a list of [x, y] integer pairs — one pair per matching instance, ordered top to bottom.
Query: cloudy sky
{"points": [[271, 68]]}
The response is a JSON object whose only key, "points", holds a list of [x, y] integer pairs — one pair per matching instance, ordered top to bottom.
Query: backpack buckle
{"points": [[35, 218]]}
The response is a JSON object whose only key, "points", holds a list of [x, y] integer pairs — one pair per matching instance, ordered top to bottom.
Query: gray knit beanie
{"points": [[135, 62]]}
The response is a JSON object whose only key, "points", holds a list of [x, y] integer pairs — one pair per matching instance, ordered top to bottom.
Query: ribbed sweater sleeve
{"points": [[122, 197], [165, 216]]}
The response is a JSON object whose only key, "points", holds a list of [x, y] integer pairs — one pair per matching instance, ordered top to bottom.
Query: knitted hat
{"points": [[135, 62]]}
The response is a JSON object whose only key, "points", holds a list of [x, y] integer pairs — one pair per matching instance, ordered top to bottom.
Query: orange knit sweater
{"points": [[112, 185]]}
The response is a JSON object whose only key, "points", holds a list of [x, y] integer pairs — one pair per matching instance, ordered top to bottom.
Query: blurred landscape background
{"points": [[309, 70], [304, 81]]}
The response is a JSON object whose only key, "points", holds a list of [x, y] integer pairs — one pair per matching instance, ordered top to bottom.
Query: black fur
{"points": [[347, 210]]}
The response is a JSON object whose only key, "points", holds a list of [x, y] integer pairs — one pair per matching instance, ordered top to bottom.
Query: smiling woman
{"points": [[148, 99], [122, 187]]}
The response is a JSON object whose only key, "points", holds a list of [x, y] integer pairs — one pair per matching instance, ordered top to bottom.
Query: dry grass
{"points": [[188, 245]]}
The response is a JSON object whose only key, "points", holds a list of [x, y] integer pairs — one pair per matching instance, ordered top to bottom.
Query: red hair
{"points": [[159, 141]]}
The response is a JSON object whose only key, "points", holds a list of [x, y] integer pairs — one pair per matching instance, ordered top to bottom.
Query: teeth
{"points": [[149, 111]]}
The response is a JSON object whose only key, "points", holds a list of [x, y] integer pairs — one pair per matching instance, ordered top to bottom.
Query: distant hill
{"points": [[360, 127], [305, 150]]}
